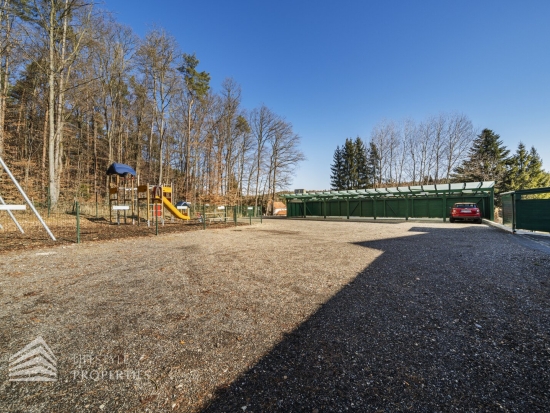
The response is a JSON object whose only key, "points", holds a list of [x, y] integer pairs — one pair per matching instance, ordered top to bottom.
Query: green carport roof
{"points": [[466, 188]]}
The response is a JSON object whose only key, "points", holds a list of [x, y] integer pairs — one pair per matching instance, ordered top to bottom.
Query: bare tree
{"points": [[7, 18], [63, 24], [157, 59], [264, 125], [460, 137], [285, 156]]}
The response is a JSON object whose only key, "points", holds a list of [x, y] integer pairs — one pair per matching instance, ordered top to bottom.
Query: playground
{"points": [[131, 209], [285, 316]]}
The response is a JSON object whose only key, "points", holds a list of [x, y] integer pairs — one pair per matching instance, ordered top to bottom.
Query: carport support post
{"points": [[347, 204], [492, 205], [325, 207], [374, 207], [406, 207], [444, 208], [305, 213], [513, 213]]}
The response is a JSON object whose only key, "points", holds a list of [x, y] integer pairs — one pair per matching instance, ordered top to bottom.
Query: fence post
{"points": [[49, 202], [77, 205], [513, 213], [235, 214], [96, 215], [156, 217], [203, 218]]}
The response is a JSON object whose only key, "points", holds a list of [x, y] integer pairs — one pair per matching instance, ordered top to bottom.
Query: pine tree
{"points": [[486, 160], [361, 162], [373, 165], [350, 167], [525, 170], [539, 177], [337, 180]]}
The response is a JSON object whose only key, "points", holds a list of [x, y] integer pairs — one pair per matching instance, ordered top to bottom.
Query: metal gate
{"points": [[527, 209]]}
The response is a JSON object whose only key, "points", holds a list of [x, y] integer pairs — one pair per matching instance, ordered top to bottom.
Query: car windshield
{"points": [[465, 206]]}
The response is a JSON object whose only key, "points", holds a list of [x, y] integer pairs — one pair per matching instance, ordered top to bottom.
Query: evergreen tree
{"points": [[486, 160], [361, 162], [373, 165], [350, 167], [525, 170], [539, 177], [337, 179]]}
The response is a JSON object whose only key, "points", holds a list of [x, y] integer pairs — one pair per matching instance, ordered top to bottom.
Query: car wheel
{"points": [[451, 220], [479, 221]]}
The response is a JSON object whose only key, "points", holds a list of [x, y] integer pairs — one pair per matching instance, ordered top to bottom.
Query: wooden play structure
{"points": [[121, 191], [127, 198], [157, 199]]}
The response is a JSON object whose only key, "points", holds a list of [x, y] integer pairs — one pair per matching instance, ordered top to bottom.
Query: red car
{"points": [[465, 212]]}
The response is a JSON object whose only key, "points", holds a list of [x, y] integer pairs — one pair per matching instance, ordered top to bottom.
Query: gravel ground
{"points": [[289, 316]]}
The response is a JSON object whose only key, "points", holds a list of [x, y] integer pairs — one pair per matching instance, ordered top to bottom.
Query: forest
{"points": [[79, 91], [440, 149]]}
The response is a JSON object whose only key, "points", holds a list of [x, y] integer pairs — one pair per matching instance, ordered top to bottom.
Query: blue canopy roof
{"points": [[121, 170]]}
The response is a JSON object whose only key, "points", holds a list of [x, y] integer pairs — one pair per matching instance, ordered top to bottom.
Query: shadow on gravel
{"points": [[439, 322]]}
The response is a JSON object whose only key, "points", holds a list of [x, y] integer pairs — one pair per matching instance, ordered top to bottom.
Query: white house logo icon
{"points": [[36, 362]]}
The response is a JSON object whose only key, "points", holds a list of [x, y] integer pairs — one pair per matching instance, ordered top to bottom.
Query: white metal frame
{"points": [[27, 200]]}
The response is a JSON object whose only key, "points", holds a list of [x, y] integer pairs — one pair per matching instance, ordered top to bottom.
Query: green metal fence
{"points": [[433, 201], [527, 209], [81, 221]]}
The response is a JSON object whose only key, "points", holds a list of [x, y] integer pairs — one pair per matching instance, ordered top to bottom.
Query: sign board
{"points": [[13, 207], [121, 207], [181, 207], [221, 207], [250, 208]]}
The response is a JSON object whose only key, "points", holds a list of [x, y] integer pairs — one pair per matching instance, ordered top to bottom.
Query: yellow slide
{"points": [[173, 209]]}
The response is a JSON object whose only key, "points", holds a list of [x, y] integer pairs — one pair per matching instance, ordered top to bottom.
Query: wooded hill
{"points": [[79, 91]]}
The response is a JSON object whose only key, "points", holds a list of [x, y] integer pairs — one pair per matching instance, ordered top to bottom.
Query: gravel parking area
{"points": [[289, 316]]}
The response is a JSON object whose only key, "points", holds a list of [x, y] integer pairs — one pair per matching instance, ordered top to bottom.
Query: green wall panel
{"points": [[420, 207], [533, 214]]}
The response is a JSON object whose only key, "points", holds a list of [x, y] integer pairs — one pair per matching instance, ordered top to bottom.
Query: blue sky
{"points": [[336, 68]]}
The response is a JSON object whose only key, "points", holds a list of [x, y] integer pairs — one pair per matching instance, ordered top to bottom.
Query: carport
{"points": [[417, 201]]}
